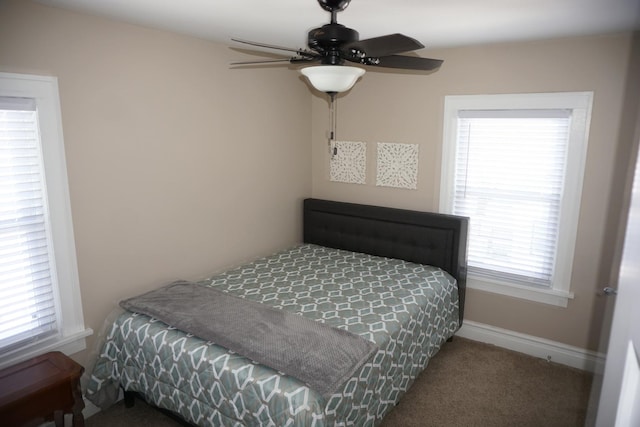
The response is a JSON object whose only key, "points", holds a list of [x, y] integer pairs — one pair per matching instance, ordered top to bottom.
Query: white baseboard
{"points": [[552, 351]]}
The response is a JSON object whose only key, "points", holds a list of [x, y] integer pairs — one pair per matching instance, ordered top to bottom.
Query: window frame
{"points": [[580, 103], [71, 328]]}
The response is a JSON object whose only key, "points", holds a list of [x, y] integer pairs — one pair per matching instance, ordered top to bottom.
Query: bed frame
{"points": [[422, 237]]}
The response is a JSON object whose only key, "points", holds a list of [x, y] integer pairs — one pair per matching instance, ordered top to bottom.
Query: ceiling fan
{"points": [[334, 44]]}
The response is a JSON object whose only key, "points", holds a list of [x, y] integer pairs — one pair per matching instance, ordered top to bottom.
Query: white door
{"points": [[620, 396]]}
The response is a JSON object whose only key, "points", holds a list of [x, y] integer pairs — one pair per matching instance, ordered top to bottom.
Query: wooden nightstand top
{"points": [[31, 375], [39, 387]]}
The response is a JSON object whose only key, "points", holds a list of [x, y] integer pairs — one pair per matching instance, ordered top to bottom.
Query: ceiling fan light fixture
{"points": [[332, 78]]}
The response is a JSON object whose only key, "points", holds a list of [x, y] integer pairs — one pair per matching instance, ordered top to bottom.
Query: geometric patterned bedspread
{"points": [[409, 310]]}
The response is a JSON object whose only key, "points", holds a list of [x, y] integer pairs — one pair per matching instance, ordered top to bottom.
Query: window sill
{"points": [[545, 296], [69, 344]]}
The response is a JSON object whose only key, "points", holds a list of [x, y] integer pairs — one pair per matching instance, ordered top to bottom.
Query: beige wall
{"points": [[383, 107], [178, 165]]}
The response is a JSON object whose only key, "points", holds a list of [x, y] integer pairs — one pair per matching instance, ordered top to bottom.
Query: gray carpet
{"points": [[466, 384]]}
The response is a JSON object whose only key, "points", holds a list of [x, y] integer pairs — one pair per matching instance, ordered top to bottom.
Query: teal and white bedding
{"points": [[409, 310]]}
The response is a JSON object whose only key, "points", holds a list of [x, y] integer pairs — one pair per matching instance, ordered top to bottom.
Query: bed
{"points": [[391, 277]]}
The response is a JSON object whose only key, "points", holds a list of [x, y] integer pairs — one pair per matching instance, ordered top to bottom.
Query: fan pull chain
{"points": [[333, 120]]}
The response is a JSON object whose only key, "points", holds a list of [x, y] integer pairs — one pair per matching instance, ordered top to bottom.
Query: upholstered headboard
{"points": [[422, 237]]}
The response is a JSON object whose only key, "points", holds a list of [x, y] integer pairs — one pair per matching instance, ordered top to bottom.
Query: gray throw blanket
{"points": [[319, 355]]}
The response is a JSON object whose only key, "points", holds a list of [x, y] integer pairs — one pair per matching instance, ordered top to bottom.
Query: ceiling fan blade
{"points": [[268, 46], [382, 46], [300, 52], [293, 60], [263, 61], [406, 62]]}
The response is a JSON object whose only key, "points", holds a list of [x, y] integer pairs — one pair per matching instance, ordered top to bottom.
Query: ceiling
{"points": [[435, 23]]}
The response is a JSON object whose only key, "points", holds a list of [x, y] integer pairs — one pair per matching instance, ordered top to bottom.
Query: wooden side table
{"points": [[45, 387]]}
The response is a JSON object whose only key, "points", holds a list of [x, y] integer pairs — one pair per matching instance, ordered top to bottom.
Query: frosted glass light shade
{"points": [[332, 78]]}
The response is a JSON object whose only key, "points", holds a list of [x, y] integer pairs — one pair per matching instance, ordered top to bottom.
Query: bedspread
{"points": [[407, 309]]}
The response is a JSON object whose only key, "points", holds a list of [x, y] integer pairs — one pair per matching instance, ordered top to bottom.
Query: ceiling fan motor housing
{"points": [[334, 5], [328, 40]]}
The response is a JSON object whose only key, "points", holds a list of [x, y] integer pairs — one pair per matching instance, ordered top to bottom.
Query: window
{"points": [[514, 165], [40, 306]]}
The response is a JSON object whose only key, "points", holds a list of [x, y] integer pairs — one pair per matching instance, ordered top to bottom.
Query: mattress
{"points": [[409, 310]]}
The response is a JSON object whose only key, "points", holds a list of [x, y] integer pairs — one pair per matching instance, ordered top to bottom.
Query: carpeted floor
{"points": [[466, 384]]}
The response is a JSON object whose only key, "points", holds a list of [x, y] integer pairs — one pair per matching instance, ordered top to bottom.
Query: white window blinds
{"points": [[509, 176], [27, 301]]}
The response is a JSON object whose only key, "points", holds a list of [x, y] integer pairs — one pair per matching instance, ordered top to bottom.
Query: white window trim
{"points": [[580, 103], [72, 333]]}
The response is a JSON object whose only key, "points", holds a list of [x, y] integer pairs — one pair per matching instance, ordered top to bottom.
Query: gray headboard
{"points": [[422, 237]]}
